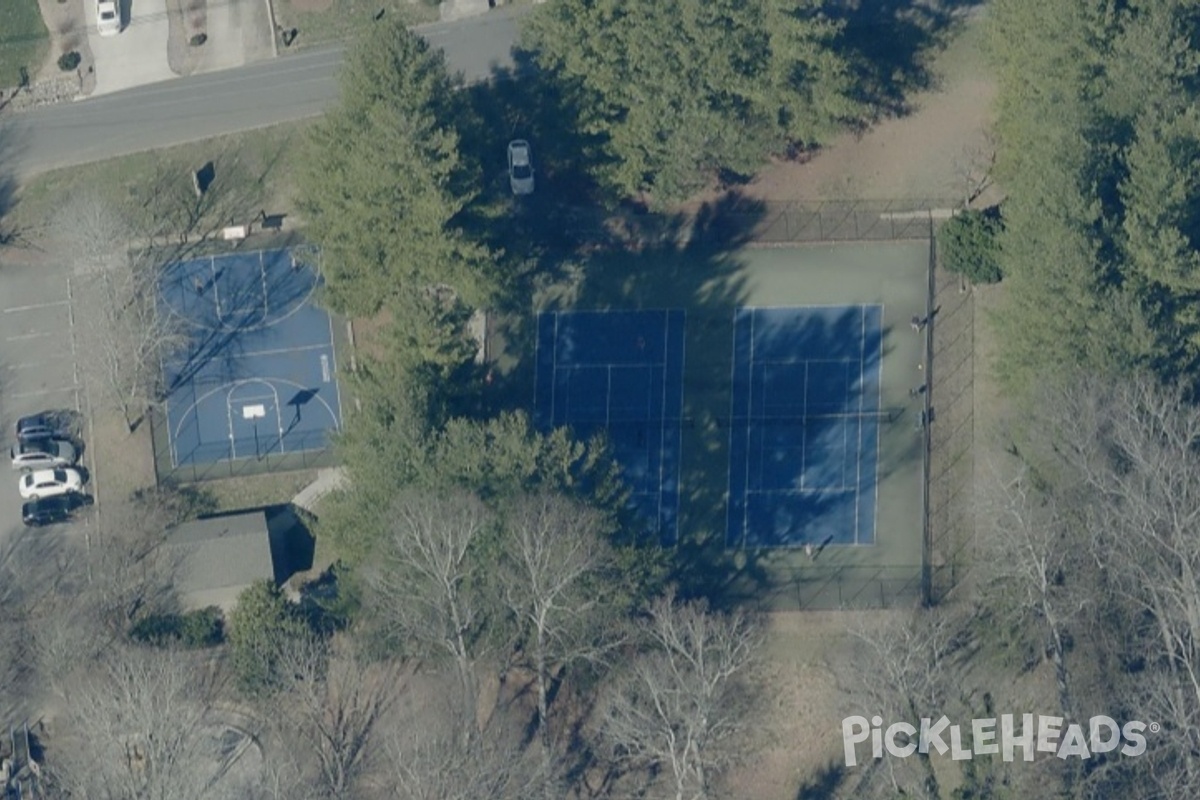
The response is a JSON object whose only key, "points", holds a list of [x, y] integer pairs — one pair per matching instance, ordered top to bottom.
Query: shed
{"points": [[215, 558]]}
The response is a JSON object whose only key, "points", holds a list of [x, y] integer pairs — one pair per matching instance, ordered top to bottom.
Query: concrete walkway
{"points": [[328, 480]]}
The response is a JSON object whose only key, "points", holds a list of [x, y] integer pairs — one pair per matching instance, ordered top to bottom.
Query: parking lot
{"points": [[38, 370]]}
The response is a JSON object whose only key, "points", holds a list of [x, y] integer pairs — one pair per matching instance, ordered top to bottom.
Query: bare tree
{"points": [[973, 166], [123, 335], [1134, 447], [1034, 564], [561, 581], [427, 582], [904, 668], [333, 702], [685, 704], [139, 730], [439, 761]]}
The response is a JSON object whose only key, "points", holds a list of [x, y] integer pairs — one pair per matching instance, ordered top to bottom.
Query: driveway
{"points": [[239, 32], [138, 54]]}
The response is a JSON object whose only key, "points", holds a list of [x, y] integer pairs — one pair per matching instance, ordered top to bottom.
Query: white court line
{"points": [[36, 306], [71, 325], [21, 337], [285, 350], [862, 356], [42, 363], [554, 372], [42, 392], [608, 395], [274, 396], [732, 405], [229, 414], [749, 416], [337, 420], [804, 431], [878, 431], [679, 463]]}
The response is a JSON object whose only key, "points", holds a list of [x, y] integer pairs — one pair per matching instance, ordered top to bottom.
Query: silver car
{"points": [[520, 167], [43, 454]]}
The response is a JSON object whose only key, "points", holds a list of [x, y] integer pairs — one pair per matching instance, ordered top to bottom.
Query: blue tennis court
{"points": [[620, 372], [259, 376], [804, 432]]}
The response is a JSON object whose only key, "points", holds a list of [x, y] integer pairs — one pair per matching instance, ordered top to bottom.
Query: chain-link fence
{"points": [[834, 221], [254, 457], [949, 484], [829, 587]]}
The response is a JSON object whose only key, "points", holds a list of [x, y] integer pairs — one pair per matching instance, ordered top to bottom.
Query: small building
{"points": [[215, 558]]}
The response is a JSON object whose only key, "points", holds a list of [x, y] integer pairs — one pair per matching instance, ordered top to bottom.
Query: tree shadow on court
{"points": [[891, 45], [692, 262], [223, 342]]}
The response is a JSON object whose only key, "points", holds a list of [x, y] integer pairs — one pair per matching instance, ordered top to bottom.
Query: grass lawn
{"points": [[317, 22], [24, 40], [252, 174], [255, 491]]}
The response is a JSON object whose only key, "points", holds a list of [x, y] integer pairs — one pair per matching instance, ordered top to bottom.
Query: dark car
{"points": [[42, 426], [50, 510]]}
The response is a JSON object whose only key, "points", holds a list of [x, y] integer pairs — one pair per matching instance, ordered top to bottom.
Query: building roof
{"points": [[218, 557]]}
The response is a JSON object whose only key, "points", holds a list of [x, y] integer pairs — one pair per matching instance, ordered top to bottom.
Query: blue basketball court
{"points": [[621, 373], [259, 376], [804, 432]]}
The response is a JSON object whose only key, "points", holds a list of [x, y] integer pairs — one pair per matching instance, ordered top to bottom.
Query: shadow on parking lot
{"points": [[9, 235]]}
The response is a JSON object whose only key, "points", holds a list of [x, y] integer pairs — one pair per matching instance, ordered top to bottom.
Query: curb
{"points": [[274, 28]]}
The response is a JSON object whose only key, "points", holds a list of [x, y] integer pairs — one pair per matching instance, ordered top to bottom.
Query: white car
{"points": [[108, 18], [520, 167], [43, 454], [49, 483]]}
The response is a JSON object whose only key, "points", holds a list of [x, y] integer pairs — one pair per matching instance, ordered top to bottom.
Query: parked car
{"points": [[108, 18], [520, 167], [46, 425], [43, 454], [49, 482], [50, 510]]}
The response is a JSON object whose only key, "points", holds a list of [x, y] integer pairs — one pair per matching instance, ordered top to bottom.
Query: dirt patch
{"points": [[67, 23], [923, 155], [122, 462], [807, 652]]}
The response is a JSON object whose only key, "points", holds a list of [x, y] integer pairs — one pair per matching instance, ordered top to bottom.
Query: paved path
{"points": [[189, 109]]}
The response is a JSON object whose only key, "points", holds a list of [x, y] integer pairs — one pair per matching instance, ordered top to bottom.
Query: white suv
{"points": [[108, 18]]}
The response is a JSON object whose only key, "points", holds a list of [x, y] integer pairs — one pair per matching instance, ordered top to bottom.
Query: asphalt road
{"points": [[188, 109]]}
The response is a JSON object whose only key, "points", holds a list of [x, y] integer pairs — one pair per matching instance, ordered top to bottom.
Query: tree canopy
{"points": [[683, 91], [1099, 141], [383, 182]]}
